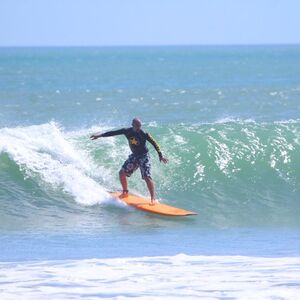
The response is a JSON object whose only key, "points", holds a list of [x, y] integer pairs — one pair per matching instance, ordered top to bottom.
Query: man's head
{"points": [[136, 124]]}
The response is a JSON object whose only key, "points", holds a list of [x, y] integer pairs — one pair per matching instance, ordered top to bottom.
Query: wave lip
{"points": [[164, 277]]}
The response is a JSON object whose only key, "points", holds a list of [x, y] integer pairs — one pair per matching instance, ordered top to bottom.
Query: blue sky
{"points": [[153, 22]]}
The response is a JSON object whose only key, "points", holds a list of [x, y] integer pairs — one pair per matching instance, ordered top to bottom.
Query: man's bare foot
{"points": [[124, 194], [154, 201]]}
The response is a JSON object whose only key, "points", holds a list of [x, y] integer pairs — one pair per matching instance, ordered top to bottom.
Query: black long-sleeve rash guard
{"points": [[136, 139]]}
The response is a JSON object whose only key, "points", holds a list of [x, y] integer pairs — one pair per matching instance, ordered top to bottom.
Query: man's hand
{"points": [[95, 136], [163, 159]]}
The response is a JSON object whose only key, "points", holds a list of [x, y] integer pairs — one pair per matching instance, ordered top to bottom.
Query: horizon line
{"points": [[150, 45]]}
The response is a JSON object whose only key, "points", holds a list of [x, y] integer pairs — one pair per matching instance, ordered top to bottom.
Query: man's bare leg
{"points": [[123, 180], [150, 185]]}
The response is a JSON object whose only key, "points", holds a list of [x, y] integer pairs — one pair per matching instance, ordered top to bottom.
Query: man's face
{"points": [[136, 126]]}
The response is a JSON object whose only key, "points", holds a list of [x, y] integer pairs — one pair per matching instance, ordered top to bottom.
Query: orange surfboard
{"points": [[145, 204]]}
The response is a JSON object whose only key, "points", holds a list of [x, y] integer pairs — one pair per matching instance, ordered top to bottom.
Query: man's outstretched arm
{"points": [[107, 134], [151, 140]]}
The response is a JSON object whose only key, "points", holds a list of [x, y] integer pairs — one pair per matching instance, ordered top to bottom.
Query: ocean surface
{"points": [[228, 119]]}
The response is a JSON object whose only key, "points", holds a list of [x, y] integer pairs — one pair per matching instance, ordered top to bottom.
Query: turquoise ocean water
{"points": [[228, 119]]}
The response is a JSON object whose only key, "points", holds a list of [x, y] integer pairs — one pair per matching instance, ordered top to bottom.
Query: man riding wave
{"points": [[139, 158]]}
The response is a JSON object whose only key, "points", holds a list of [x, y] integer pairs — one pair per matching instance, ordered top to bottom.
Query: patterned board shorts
{"points": [[134, 162]]}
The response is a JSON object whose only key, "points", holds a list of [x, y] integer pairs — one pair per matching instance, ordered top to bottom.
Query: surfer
{"points": [[139, 158]]}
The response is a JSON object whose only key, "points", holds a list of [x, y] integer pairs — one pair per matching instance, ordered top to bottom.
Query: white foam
{"points": [[233, 120], [289, 121], [152, 124], [179, 139], [44, 152], [223, 157], [200, 172], [164, 277]]}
